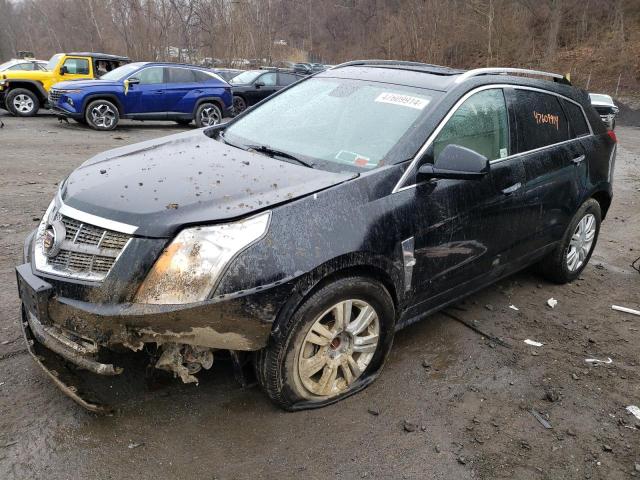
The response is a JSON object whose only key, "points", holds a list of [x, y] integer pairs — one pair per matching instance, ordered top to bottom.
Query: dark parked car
{"points": [[227, 73], [252, 86], [145, 91], [606, 108], [312, 227]]}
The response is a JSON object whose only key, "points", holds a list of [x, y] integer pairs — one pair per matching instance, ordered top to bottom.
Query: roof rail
{"points": [[401, 63], [502, 71]]}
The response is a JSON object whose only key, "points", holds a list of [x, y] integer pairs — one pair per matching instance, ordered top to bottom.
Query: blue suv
{"points": [[145, 91]]}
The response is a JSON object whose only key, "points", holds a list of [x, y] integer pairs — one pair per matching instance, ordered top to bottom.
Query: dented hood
{"points": [[162, 185]]}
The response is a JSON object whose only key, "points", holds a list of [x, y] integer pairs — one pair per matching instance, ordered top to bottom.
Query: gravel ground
{"points": [[450, 404]]}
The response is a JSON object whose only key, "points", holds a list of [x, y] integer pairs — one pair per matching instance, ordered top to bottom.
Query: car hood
{"points": [[86, 84], [162, 185]]}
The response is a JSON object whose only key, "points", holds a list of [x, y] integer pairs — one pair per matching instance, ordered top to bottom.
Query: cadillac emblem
{"points": [[53, 237]]}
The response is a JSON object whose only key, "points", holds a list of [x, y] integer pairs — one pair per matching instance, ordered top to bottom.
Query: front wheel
{"points": [[22, 102], [239, 105], [102, 115], [208, 115], [566, 262], [331, 346]]}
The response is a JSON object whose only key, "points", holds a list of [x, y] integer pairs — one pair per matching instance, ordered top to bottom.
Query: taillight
{"points": [[612, 136]]}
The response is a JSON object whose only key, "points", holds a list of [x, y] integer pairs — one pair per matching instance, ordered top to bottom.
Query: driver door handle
{"points": [[579, 159], [513, 188]]}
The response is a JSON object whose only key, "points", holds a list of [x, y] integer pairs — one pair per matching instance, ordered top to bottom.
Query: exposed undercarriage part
{"points": [[185, 360]]}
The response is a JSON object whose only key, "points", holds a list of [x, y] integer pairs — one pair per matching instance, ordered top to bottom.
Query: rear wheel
{"points": [[22, 102], [102, 115], [208, 115], [570, 257], [338, 337]]}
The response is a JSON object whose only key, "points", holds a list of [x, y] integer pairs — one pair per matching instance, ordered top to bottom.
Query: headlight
{"points": [[190, 266]]}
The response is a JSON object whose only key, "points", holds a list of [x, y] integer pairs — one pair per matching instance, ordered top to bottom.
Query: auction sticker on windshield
{"points": [[403, 100]]}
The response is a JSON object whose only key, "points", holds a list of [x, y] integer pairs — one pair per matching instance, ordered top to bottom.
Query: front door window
{"points": [[480, 124]]}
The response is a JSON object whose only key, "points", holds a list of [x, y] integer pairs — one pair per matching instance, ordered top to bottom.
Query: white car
{"points": [[28, 64], [606, 108]]}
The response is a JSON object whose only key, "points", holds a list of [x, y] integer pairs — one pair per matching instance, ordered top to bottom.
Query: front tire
{"points": [[22, 102], [239, 105], [102, 115], [208, 115], [567, 261], [330, 346]]}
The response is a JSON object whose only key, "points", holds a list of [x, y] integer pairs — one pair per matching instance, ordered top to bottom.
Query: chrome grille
{"points": [[54, 96], [87, 252]]}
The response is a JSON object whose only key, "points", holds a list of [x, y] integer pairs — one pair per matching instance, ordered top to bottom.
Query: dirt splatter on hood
{"points": [[185, 179]]}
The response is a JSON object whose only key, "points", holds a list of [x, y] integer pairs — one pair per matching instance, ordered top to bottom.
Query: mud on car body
{"points": [[310, 228]]}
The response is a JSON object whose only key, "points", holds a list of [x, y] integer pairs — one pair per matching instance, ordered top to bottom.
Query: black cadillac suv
{"points": [[310, 228]]}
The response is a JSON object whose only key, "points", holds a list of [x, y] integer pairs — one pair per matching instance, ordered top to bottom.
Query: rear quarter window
{"points": [[202, 77], [540, 120], [577, 123]]}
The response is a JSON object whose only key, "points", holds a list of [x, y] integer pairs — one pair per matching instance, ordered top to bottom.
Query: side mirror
{"points": [[63, 70], [133, 81], [258, 84], [456, 162]]}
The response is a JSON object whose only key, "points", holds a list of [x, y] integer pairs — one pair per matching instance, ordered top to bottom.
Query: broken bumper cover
{"points": [[76, 330]]}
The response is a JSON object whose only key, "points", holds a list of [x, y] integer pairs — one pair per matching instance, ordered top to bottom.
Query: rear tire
{"points": [[22, 102], [102, 115], [207, 115], [567, 261], [318, 358]]}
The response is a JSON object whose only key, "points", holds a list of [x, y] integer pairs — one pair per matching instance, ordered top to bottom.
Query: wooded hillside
{"points": [[597, 41]]}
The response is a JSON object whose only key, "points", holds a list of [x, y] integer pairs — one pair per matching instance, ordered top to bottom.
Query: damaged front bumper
{"points": [[78, 332]]}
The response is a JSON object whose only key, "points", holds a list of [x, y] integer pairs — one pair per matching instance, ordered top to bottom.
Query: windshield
{"points": [[53, 61], [120, 72], [246, 77], [339, 124]]}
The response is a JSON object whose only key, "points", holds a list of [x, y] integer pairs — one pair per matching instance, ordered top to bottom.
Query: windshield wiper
{"points": [[267, 150]]}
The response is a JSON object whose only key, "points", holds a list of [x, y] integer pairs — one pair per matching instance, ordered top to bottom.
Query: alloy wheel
{"points": [[23, 103], [103, 116], [210, 116], [581, 242], [338, 348]]}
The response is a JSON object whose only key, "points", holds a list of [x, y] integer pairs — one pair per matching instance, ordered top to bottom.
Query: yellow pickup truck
{"points": [[22, 93]]}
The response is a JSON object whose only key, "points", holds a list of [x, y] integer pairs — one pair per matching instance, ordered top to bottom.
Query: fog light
{"points": [[70, 101]]}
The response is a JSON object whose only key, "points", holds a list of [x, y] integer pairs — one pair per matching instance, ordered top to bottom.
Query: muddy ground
{"points": [[467, 399]]}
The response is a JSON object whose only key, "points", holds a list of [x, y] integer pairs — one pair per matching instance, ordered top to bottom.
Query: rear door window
{"points": [[77, 66], [181, 75], [286, 79], [541, 120], [577, 123], [480, 124]]}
